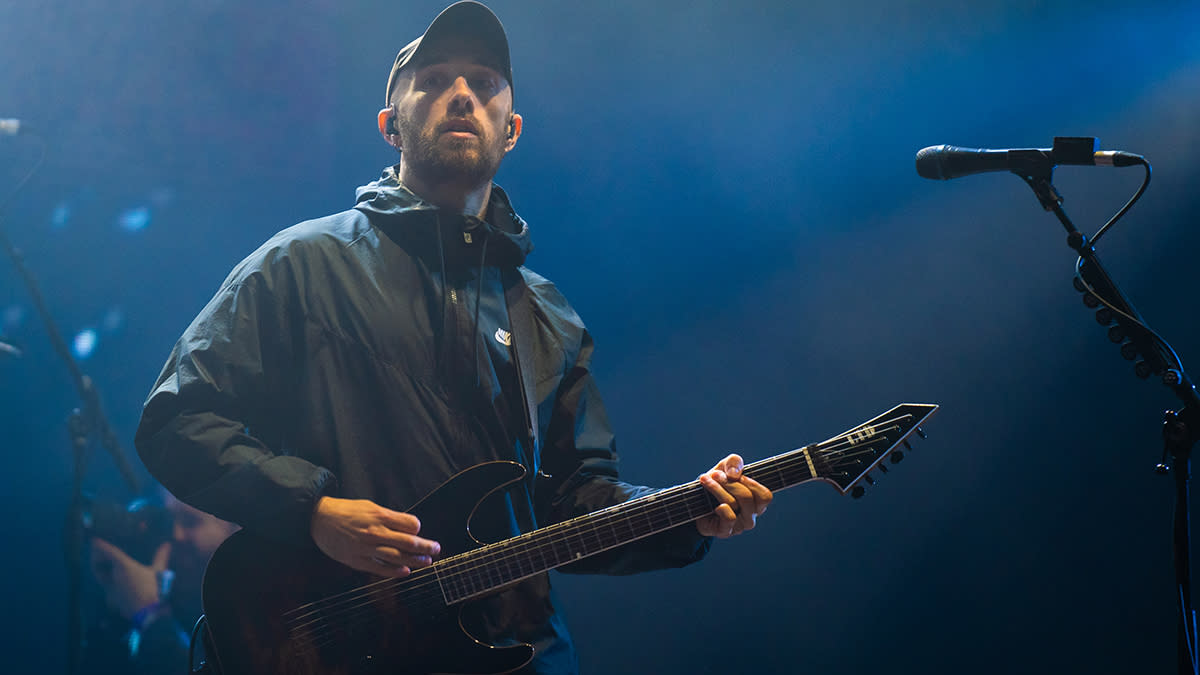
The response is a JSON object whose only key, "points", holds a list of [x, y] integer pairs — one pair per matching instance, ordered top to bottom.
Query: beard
{"points": [[444, 159]]}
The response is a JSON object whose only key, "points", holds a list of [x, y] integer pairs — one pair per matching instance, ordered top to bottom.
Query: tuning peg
{"points": [[1078, 284], [1090, 300], [1104, 316], [1116, 334], [1129, 351], [1142, 369], [921, 433], [907, 445], [896, 457], [883, 468], [870, 481], [857, 491]]}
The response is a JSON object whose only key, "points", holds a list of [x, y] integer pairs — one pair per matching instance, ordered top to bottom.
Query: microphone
{"points": [[10, 127], [944, 162]]}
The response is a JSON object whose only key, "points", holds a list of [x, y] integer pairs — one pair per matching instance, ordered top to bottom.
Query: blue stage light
{"points": [[60, 215], [135, 219], [114, 318], [84, 343]]}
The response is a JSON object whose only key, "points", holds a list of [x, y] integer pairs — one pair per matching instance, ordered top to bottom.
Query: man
{"points": [[355, 362], [157, 603]]}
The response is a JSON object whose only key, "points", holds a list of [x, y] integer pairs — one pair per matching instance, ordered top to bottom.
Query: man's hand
{"points": [[741, 499], [367, 537], [129, 586]]}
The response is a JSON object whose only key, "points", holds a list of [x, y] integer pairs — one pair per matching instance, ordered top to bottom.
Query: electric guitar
{"points": [[280, 611]]}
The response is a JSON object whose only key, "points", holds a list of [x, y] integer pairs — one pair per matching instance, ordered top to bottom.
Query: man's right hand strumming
{"points": [[370, 538]]}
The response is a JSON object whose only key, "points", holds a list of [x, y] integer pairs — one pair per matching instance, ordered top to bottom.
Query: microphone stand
{"points": [[82, 424], [1180, 427]]}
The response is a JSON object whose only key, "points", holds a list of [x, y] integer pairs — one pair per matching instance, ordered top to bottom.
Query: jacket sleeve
{"points": [[211, 430], [579, 453]]}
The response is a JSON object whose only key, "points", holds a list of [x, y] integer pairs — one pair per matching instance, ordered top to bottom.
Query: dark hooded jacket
{"points": [[362, 355]]}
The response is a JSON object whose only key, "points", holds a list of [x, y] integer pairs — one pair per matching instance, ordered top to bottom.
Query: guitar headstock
{"points": [[847, 459]]}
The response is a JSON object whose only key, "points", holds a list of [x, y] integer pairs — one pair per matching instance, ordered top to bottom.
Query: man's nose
{"points": [[462, 98]]}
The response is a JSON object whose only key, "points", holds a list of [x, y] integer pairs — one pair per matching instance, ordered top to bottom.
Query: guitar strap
{"points": [[520, 314]]}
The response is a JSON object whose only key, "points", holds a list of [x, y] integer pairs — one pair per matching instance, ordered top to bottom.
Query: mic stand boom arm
{"points": [[1180, 427]]}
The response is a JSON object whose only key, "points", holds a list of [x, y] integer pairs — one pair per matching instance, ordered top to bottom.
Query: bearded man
{"points": [[356, 362]]}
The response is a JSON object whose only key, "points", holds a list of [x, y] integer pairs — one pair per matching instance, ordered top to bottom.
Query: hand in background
{"points": [[129, 586]]}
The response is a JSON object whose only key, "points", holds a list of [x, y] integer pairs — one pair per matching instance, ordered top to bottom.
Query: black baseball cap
{"points": [[467, 20]]}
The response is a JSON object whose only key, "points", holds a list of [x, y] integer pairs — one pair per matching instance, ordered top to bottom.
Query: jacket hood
{"points": [[387, 201]]}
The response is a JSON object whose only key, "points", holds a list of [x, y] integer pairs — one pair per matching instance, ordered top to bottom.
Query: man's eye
{"points": [[432, 81], [485, 84]]}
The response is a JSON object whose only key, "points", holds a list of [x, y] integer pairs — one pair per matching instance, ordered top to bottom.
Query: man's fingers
{"points": [[732, 465], [712, 481], [762, 495], [740, 499], [747, 508], [726, 514], [399, 521], [722, 524], [399, 531], [406, 543], [102, 549], [110, 552], [162, 557], [395, 558], [378, 566]]}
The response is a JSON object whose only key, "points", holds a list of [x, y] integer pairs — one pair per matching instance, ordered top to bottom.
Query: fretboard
{"points": [[481, 570]]}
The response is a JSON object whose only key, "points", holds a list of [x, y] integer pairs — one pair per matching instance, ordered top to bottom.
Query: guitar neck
{"points": [[481, 570]]}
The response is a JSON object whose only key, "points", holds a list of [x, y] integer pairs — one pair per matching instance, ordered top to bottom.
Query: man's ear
{"points": [[387, 127], [514, 131]]}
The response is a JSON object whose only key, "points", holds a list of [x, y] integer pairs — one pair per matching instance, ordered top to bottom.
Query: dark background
{"points": [[726, 192]]}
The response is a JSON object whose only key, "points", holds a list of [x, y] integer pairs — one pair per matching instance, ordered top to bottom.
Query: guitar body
{"points": [[257, 593]]}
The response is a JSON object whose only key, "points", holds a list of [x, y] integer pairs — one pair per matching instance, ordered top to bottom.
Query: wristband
{"points": [[148, 614]]}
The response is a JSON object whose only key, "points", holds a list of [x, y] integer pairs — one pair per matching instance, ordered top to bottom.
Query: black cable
{"points": [[1136, 196], [1088, 287]]}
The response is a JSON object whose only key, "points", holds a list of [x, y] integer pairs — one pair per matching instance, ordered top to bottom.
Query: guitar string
{"points": [[369, 591], [367, 594], [420, 601]]}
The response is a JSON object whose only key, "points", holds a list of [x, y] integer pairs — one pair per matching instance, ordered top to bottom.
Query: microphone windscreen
{"points": [[929, 162]]}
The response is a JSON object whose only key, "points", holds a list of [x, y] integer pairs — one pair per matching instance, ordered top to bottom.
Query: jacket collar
{"points": [[394, 207]]}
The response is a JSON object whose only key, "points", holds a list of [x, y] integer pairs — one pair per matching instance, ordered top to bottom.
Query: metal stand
{"points": [[1126, 327], [83, 424]]}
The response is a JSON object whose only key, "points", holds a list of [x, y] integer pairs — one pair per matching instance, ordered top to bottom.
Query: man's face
{"points": [[453, 115], [196, 532]]}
